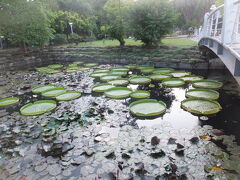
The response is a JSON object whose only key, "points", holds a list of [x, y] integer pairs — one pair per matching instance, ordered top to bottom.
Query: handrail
{"points": [[211, 13]]}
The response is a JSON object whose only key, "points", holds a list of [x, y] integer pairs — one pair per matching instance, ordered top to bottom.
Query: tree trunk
{"points": [[122, 42], [24, 47]]}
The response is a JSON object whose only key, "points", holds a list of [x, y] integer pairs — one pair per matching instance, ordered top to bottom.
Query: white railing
{"points": [[223, 23]]}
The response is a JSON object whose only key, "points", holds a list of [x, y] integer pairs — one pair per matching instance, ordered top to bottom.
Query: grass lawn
{"points": [[182, 42]]}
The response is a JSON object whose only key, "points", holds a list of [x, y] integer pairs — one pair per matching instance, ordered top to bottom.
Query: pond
{"points": [[99, 135]]}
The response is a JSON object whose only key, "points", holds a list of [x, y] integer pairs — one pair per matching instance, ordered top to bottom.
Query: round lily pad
{"points": [[78, 62], [91, 64], [73, 65], [55, 66], [131, 66], [144, 67], [43, 69], [120, 69], [71, 70], [101, 70], [147, 70], [163, 70], [53, 71], [119, 73], [178, 74], [97, 75], [110, 77], [159, 77], [192, 78], [140, 80], [119, 82], [174, 82], [209, 84], [102, 87], [43, 88], [54, 92], [118, 92], [140, 94], [203, 94], [69, 95], [8, 101], [201, 106], [38, 107], [147, 108]]}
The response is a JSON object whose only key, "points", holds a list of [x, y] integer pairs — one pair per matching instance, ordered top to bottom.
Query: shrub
{"points": [[75, 38], [59, 39]]}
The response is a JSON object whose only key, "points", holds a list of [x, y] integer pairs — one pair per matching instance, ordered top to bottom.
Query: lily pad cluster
{"points": [[70, 68]]}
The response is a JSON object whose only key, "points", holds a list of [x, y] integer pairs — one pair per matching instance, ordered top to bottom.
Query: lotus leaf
{"points": [[91, 64], [55, 66], [163, 71], [178, 74], [95, 75], [110, 77], [159, 77], [192, 78], [140, 80], [119, 82], [174, 82], [209, 84], [102, 87], [43, 88], [54, 92], [118, 92], [140, 94], [203, 94], [69, 95], [8, 101], [201, 106], [38, 107], [147, 108]]}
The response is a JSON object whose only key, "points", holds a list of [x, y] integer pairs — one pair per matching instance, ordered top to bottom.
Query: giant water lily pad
{"points": [[78, 62], [91, 64], [72, 65], [55, 66], [131, 66], [43, 69], [120, 69], [101, 70], [147, 70], [163, 70], [119, 73], [178, 74], [98, 75], [110, 77], [159, 77], [192, 78], [140, 80], [119, 82], [174, 82], [210, 84], [102, 87], [43, 88], [54, 92], [118, 92], [140, 94], [203, 94], [69, 95], [8, 101], [201, 106], [38, 107], [147, 107]]}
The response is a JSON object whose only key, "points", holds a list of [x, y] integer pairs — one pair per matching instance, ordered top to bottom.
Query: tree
{"points": [[151, 20], [25, 22]]}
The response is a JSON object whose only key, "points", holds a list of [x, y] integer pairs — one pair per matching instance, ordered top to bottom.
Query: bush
{"points": [[150, 20], [75, 38], [59, 39]]}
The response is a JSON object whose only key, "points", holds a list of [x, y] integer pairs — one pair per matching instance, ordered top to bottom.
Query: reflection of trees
{"points": [[160, 93]]}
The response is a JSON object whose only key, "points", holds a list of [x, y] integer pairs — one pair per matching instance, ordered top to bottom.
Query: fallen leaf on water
{"points": [[206, 138], [217, 168]]}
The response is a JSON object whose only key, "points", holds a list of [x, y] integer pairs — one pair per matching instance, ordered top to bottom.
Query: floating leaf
{"points": [[78, 62], [91, 64], [73, 65], [55, 66], [131, 66], [120, 69], [101, 70], [147, 70], [163, 70], [119, 73], [178, 74], [97, 75], [110, 77], [159, 77], [192, 78], [139, 80], [119, 82], [174, 82], [209, 84], [102, 87], [43, 88], [54, 92], [118, 92], [140, 94], [203, 94], [69, 95], [8, 101], [201, 106], [38, 107], [147, 107], [206, 138]]}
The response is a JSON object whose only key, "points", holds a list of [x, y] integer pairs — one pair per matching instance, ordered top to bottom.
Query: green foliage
{"points": [[151, 20], [25, 22], [75, 38], [59, 39]]}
